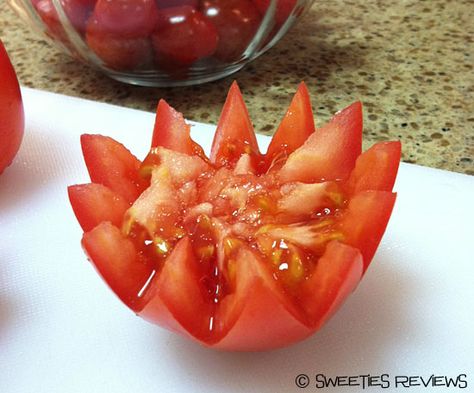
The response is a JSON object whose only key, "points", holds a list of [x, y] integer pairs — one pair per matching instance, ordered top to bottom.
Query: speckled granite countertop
{"points": [[411, 62]]}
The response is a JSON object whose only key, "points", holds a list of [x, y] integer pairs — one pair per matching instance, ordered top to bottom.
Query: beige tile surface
{"points": [[410, 62]]}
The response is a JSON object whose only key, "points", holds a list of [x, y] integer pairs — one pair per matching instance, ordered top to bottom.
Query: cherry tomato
{"points": [[78, 11], [126, 18], [236, 21], [183, 36], [118, 52], [12, 120], [230, 251]]}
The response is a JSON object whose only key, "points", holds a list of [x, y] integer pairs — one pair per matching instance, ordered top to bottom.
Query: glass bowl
{"points": [[163, 42]]}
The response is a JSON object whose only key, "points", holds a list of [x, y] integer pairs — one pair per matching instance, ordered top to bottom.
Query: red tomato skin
{"points": [[77, 11], [49, 16], [126, 18], [236, 21], [183, 36], [118, 52], [12, 118], [294, 129], [234, 130], [172, 132], [330, 153], [111, 164], [376, 168], [94, 203], [365, 220], [116, 260], [336, 276], [175, 295], [258, 315]]}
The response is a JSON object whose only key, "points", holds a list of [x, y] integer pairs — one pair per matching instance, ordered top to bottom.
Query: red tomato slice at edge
{"points": [[294, 129], [172, 132], [235, 134], [330, 152], [111, 164], [376, 168], [93, 203], [365, 220], [115, 258], [336, 275], [176, 299], [257, 306]]}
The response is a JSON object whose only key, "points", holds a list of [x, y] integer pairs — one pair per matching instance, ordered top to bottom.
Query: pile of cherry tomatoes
{"points": [[169, 34]]}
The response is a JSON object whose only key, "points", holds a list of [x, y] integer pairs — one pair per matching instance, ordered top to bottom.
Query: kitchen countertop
{"points": [[410, 62]]}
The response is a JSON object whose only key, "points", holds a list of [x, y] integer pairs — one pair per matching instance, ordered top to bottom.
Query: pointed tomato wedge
{"points": [[351, 120], [294, 129], [172, 132], [235, 134], [330, 152], [111, 164], [376, 168], [93, 203], [365, 220], [115, 258], [336, 275], [175, 295], [257, 315]]}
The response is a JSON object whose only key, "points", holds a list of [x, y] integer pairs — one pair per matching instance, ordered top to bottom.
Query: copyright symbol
{"points": [[302, 381]]}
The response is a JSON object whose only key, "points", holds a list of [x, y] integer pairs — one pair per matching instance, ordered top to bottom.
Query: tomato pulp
{"points": [[12, 119], [241, 250]]}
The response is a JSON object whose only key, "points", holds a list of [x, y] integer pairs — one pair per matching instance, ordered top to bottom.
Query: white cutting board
{"points": [[62, 330]]}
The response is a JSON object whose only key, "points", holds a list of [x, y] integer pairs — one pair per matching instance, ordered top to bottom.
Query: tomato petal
{"points": [[351, 120], [294, 129], [172, 132], [235, 134], [330, 152], [111, 164], [376, 168], [93, 203], [365, 220], [116, 260], [336, 275], [176, 300], [258, 315]]}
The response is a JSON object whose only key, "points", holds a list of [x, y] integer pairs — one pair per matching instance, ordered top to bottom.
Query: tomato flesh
{"points": [[227, 251]]}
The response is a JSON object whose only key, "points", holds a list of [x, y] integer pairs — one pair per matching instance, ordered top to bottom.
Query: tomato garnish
{"points": [[241, 251]]}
